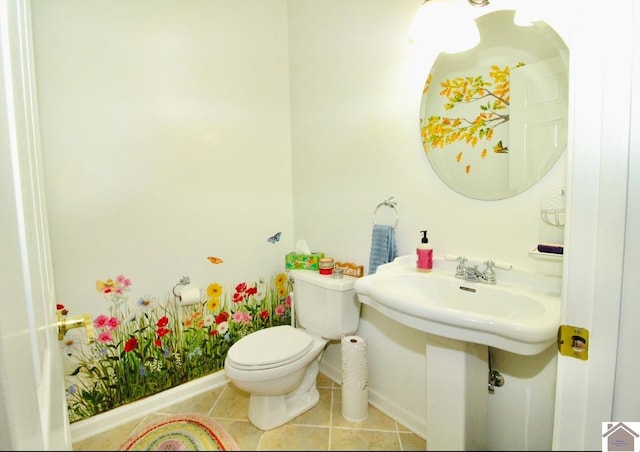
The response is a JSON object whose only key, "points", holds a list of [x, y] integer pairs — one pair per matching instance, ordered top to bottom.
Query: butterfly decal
{"points": [[500, 149], [275, 237], [214, 260]]}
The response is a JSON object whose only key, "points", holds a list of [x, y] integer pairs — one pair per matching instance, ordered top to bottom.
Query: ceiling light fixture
{"points": [[448, 22]]}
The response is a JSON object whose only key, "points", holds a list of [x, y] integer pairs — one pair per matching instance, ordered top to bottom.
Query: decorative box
{"points": [[303, 261]]}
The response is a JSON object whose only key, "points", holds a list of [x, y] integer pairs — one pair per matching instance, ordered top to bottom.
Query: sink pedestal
{"points": [[457, 394]]}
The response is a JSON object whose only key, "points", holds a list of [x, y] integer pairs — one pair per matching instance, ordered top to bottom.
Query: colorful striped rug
{"points": [[182, 432]]}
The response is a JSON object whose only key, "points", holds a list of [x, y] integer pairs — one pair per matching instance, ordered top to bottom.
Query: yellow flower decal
{"points": [[281, 279], [214, 290], [213, 304]]}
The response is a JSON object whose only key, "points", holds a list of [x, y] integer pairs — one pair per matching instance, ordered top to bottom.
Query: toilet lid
{"points": [[270, 347]]}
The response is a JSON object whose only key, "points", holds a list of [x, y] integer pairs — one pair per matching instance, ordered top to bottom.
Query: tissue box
{"points": [[302, 261]]}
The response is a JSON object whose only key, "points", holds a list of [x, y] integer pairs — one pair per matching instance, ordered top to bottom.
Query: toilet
{"points": [[278, 366]]}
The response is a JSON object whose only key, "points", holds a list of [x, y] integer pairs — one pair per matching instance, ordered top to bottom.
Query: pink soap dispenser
{"points": [[424, 262]]}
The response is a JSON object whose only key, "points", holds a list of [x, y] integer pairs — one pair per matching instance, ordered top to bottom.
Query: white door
{"points": [[602, 80], [537, 119], [33, 410]]}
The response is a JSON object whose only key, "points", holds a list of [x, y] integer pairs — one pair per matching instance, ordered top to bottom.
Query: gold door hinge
{"points": [[573, 341]]}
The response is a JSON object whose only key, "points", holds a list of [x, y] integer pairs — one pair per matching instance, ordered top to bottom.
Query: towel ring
{"points": [[392, 203]]}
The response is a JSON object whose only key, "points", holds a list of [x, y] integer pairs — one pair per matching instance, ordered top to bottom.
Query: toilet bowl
{"points": [[278, 366], [282, 386]]}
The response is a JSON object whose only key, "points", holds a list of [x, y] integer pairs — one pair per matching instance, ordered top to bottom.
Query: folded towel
{"points": [[383, 246], [553, 248]]}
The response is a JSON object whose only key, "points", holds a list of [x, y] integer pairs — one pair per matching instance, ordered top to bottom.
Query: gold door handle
{"points": [[67, 323]]}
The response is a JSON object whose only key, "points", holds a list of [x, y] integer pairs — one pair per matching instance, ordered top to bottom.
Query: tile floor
{"points": [[321, 428]]}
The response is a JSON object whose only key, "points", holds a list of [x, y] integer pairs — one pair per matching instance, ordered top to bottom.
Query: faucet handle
{"points": [[462, 266], [489, 273]]}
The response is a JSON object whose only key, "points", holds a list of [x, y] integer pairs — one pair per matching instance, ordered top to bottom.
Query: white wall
{"points": [[356, 86], [175, 130], [165, 132]]}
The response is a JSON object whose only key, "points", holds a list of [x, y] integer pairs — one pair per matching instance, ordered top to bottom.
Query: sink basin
{"points": [[520, 314]]}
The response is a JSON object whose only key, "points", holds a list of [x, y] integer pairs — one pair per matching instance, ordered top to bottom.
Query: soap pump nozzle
{"points": [[424, 237]]}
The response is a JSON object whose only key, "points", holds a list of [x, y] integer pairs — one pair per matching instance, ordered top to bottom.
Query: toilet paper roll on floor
{"points": [[187, 295], [355, 386]]}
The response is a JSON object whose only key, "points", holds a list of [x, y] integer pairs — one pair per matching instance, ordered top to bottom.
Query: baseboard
{"points": [[102, 422], [414, 423]]}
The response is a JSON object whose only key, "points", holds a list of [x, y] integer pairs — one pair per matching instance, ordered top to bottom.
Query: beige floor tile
{"points": [[324, 382], [232, 403], [201, 404], [320, 414], [246, 435], [295, 437], [350, 439], [109, 440], [411, 441]]}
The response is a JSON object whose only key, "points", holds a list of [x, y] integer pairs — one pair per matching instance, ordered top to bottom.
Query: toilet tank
{"points": [[325, 305]]}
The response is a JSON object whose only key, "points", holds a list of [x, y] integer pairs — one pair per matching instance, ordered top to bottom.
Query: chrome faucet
{"points": [[468, 273]]}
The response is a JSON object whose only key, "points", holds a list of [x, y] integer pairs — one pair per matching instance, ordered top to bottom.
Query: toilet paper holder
{"points": [[184, 281]]}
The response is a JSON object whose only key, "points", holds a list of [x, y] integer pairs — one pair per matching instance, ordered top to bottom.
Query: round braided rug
{"points": [[182, 432]]}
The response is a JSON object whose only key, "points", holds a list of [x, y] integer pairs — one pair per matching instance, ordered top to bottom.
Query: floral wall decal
{"points": [[145, 347]]}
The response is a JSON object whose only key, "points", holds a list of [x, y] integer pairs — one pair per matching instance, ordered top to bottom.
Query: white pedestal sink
{"points": [[520, 314]]}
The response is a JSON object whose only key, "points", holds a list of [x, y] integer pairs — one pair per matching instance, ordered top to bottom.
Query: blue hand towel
{"points": [[383, 246]]}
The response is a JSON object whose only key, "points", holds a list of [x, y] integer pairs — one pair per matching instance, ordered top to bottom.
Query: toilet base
{"points": [[268, 412]]}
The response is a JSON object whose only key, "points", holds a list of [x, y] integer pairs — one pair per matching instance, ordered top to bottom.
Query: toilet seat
{"points": [[269, 348]]}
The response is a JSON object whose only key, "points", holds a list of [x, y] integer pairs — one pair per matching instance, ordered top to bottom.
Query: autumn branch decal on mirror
{"points": [[491, 95]]}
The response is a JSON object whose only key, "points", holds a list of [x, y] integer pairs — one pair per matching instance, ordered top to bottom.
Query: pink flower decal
{"points": [[122, 281], [242, 317], [101, 321], [104, 322], [113, 323], [105, 336]]}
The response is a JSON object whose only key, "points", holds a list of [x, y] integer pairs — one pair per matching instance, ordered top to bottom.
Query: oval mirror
{"points": [[493, 119]]}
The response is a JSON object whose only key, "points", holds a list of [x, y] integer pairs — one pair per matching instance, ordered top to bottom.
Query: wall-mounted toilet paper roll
{"points": [[187, 295]]}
